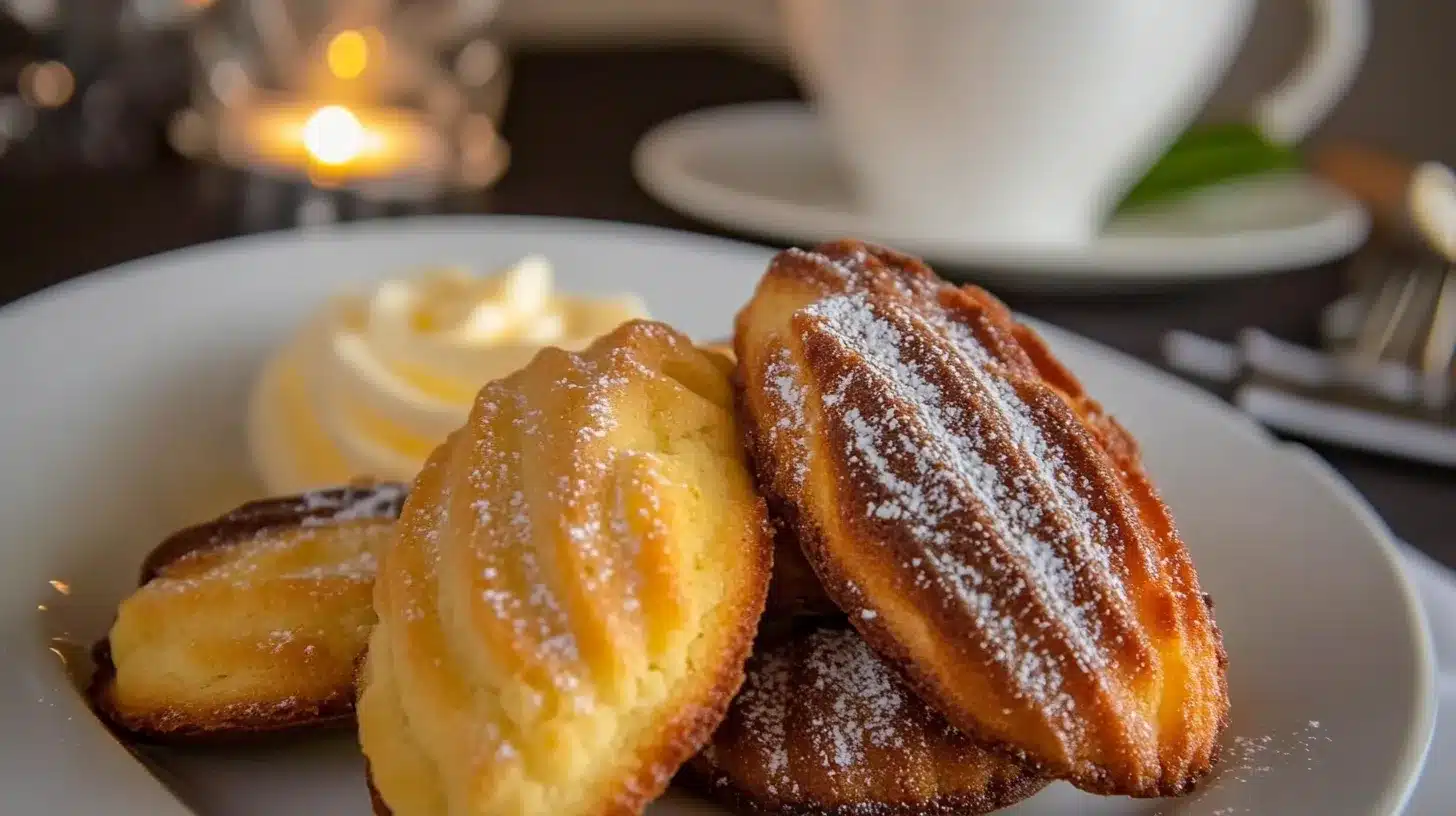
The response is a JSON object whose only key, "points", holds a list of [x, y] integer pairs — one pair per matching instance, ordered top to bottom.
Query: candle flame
{"points": [[348, 54], [333, 135]]}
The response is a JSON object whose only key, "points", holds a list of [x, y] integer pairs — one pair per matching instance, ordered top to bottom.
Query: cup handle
{"points": [[1340, 36]]}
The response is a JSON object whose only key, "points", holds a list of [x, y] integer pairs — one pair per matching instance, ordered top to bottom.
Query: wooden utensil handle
{"points": [[1379, 180], [1407, 201]]}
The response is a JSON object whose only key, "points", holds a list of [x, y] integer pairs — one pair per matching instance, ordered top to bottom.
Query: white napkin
{"points": [[1435, 794]]}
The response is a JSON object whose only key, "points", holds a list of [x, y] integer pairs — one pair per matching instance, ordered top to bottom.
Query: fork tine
{"points": [[1382, 320], [1410, 337], [1438, 379]]}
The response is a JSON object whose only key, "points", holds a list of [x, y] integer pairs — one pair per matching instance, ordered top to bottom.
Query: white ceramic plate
{"points": [[767, 168], [122, 419]]}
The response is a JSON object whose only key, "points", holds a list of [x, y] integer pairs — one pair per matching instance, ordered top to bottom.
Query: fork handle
{"points": [[1378, 179], [1407, 200]]}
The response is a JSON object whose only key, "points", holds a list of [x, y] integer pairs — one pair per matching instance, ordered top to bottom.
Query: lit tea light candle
{"points": [[334, 128], [335, 136], [332, 144]]}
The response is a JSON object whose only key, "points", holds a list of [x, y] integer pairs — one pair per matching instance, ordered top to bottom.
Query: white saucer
{"points": [[767, 168], [123, 420]]}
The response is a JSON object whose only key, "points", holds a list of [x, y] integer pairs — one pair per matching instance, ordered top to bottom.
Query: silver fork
{"points": [[1409, 331], [1406, 343], [1439, 383]]}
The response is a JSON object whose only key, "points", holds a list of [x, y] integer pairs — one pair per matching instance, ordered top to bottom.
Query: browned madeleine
{"points": [[980, 519], [252, 623], [825, 726]]}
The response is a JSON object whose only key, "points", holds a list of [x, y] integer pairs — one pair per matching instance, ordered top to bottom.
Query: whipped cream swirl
{"points": [[375, 380]]}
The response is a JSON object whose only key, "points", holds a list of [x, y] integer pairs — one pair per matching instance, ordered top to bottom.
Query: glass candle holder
{"points": [[389, 100]]}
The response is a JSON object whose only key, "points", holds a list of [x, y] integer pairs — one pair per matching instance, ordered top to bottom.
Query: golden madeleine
{"points": [[980, 519], [568, 606], [254, 622], [823, 725]]}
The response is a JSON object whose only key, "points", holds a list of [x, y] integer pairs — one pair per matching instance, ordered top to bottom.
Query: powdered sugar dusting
{"points": [[819, 261], [781, 374], [940, 479], [332, 506], [558, 514], [1091, 535], [534, 552], [341, 553], [360, 567], [303, 570], [516, 587], [865, 702], [763, 705], [245, 713], [823, 713], [1252, 758]]}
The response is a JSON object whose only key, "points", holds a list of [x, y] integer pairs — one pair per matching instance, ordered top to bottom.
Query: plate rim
{"points": [[659, 154], [112, 274], [1420, 729], [1419, 738]]}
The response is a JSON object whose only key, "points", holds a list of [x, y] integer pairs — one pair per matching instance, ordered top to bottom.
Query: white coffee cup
{"points": [[1025, 121]]}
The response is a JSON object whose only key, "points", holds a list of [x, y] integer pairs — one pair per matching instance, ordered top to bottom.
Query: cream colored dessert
{"points": [[376, 379]]}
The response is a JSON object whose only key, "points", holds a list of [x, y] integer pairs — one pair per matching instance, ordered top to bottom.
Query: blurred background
{"points": [[1399, 100], [130, 127]]}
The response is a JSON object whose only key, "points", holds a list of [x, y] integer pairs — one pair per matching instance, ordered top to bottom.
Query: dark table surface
{"points": [[572, 121]]}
